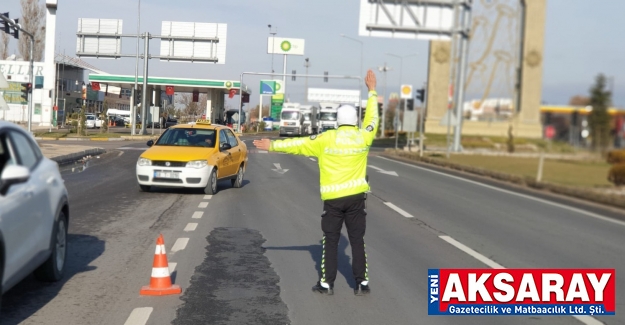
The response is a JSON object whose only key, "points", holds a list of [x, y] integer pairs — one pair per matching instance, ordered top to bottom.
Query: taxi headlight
{"points": [[144, 162], [197, 164]]}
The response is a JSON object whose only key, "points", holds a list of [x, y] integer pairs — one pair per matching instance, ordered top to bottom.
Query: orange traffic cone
{"points": [[160, 282]]}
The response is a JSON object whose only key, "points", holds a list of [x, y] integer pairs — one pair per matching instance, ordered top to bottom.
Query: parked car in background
{"points": [[93, 122], [34, 211]]}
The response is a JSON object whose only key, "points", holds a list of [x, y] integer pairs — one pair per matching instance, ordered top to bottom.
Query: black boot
{"points": [[321, 289], [362, 289]]}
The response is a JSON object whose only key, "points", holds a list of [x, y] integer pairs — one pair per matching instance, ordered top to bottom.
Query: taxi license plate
{"points": [[165, 174]]}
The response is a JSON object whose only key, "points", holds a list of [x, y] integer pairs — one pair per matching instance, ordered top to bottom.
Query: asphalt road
{"points": [[251, 255]]}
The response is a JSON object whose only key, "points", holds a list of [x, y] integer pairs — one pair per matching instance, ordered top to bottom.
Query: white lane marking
{"points": [[132, 148], [262, 151], [120, 154], [313, 159], [387, 172], [208, 197], [203, 205], [400, 211], [584, 212], [198, 214], [190, 227], [180, 244], [471, 252], [172, 267], [139, 316], [588, 320]]}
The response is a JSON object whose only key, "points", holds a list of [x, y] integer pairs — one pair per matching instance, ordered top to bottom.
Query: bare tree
{"points": [[34, 21], [4, 46], [191, 110], [254, 112]]}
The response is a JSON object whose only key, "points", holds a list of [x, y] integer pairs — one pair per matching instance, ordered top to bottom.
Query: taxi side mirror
{"points": [[150, 143], [225, 146]]}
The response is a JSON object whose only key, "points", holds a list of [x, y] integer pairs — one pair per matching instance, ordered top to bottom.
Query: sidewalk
{"points": [[64, 154]]}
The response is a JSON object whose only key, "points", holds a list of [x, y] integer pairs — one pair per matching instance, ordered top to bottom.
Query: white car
{"points": [[93, 122], [34, 211]]}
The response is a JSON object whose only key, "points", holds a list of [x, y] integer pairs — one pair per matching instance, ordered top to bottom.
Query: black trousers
{"points": [[350, 210]]}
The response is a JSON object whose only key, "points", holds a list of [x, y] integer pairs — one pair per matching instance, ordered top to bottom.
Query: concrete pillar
{"points": [[439, 60], [49, 71], [531, 80], [209, 105]]}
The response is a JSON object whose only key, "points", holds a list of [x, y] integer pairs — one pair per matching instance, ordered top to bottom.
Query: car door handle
{"points": [[51, 180]]}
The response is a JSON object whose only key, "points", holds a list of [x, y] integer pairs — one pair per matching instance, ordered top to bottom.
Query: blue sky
{"points": [[577, 46]]}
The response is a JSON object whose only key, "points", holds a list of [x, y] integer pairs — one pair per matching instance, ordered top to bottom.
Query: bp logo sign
{"points": [[285, 46], [228, 84], [278, 87]]}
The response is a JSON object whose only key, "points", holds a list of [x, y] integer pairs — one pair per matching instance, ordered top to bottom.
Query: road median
{"points": [[587, 194]]}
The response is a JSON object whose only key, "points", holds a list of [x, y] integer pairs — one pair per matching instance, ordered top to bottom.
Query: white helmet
{"points": [[347, 115]]}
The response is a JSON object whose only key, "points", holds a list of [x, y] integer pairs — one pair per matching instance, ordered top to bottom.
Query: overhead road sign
{"points": [[422, 19], [99, 38], [195, 42], [288, 46], [320, 95]]}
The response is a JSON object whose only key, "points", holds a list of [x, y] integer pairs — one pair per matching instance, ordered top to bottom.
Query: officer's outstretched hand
{"points": [[370, 80], [262, 144]]}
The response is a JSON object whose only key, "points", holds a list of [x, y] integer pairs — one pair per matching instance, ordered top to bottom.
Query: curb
{"points": [[70, 158]]}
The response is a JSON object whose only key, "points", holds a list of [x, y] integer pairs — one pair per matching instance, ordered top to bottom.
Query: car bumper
{"points": [[290, 130], [187, 177]]}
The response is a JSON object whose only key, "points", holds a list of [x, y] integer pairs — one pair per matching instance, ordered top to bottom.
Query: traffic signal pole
{"points": [[13, 24]]}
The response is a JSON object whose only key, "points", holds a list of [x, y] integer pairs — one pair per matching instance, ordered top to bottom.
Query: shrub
{"points": [[616, 157], [617, 174]]}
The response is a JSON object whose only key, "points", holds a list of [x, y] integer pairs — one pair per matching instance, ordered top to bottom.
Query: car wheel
{"points": [[238, 182], [211, 187], [145, 188], [52, 269]]}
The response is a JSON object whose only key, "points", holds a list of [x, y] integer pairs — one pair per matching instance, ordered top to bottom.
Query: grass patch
{"points": [[51, 134], [563, 172]]}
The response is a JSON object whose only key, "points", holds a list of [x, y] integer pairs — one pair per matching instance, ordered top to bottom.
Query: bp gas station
{"points": [[215, 91]]}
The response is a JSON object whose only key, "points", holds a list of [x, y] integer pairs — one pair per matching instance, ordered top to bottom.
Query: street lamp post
{"points": [[273, 39], [361, 55], [384, 69], [401, 81]]}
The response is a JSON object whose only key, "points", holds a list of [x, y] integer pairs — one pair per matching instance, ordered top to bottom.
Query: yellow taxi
{"points": [[194, 155]]}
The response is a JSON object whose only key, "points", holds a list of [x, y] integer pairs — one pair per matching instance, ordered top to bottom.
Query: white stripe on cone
{"points": [[160, 249], [160, 272]]}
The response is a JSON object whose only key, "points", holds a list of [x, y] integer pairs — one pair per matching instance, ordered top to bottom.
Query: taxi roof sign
{"points": [[208, 122]]}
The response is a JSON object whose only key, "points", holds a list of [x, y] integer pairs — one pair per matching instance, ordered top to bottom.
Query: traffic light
{"points": [[7, 26], [16, 32], [293, 76], [325, 79], [26, 89], [421, 94], [138, 97], [410, 104], [380, 109]]}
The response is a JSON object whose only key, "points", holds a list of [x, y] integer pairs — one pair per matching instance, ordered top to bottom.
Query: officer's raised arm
{"points": [[371, 120], [305, 146]]}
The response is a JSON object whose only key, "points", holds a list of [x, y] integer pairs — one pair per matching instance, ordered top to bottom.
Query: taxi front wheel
{"points": [[238, 181], [211, 187]]}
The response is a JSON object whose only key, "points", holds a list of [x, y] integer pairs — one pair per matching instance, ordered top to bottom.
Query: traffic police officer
{"points": [[342, 156]]}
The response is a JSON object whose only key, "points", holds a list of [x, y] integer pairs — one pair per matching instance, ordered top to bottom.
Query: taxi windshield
{"points": [[190, 137]]}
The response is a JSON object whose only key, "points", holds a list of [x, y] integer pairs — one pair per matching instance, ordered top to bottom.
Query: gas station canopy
{"points": [[180, 84]]}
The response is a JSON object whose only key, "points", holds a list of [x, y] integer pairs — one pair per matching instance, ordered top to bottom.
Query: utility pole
{"points": [[273, 40], [384, 69]]}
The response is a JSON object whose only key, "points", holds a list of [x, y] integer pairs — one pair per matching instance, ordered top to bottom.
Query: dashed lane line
{"points": [[208, 197], [203, 205], [399, 210], [198, 214], [190, 227], [180, 244], [172, 267], [139, 316]]}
